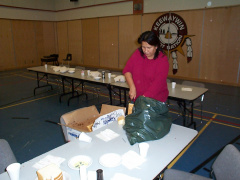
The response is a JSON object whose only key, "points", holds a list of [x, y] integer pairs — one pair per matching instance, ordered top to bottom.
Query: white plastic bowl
{"points": [[56, 69], [71, 69], [97, 77]]}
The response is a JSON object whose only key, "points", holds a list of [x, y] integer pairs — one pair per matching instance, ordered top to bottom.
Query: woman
{"points": [[147, 69]]}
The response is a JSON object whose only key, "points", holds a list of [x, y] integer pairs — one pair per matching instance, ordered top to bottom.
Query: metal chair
{"points": [[52, 58], [68, 58], [6, 155], [226, 166]]}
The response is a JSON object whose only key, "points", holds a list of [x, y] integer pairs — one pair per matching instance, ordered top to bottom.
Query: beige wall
{"points": [[28, 9], [61, 10], [109, 41], [23, 43]]}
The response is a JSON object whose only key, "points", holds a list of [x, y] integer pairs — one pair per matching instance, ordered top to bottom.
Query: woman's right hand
{"points": [[132, 88], [132, 93]]}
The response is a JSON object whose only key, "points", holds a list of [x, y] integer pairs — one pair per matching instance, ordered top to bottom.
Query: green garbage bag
{"points": [[150, 120]]}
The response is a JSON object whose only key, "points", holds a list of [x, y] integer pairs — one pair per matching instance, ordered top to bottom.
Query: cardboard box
{"points": [[89, 119]]}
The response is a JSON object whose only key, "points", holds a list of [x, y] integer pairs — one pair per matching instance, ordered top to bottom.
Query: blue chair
{"points": [[6, 155], [225, 167]]}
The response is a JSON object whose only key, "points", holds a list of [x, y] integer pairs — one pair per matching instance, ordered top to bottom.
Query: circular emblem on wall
{"points": [[171, 30]]}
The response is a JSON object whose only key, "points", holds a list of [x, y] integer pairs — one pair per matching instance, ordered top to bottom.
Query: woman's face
{"points": [[148, 50]]}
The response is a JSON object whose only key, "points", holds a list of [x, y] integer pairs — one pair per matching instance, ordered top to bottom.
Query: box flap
{"points": [[109, 108], [81, 119]]}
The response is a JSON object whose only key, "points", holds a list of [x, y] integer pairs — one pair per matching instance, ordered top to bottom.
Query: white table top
{"points": [[75, 75], [177, 92], [161, 153]]}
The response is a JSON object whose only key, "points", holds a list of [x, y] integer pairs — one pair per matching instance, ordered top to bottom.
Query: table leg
{"points": [[38, 82], [63, 86], [109, 87], [73, 91], [120, 96], [125, 98], [184, 110], [191, 111], [184, 113]]}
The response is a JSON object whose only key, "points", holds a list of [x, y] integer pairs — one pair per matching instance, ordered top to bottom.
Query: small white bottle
{"points": [[46, 66], [82, 72]]}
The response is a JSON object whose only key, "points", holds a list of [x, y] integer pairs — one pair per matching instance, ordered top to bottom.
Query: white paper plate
{"points": [[71, 71], [110, 160], [77, 161], [66, 176]]}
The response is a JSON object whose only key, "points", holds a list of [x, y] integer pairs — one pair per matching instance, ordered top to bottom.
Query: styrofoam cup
{"points": [[88, 72], [109, 75], [173, 85], [84, 137], [143, 149], [14, 171], [83, 172]]}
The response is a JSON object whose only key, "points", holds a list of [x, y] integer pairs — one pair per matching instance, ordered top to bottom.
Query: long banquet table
{"points": [[71, 78], [176, 94], [161, 152]]}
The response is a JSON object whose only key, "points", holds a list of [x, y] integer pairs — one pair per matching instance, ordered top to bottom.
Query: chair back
{"points": [[54, 55], [69, 57], [6, 155], [227, 164]]}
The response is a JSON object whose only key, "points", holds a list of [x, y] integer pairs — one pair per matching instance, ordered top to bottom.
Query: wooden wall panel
{"points": [[148, 20], [194, 22], [90, 30], [129, 31], [56, 36], [62, 36], [49, 38], [45, 39], [39, 40], [75, 41], [90, 41], [108, 42], [24, 43], [221, 47], [7, 58]]}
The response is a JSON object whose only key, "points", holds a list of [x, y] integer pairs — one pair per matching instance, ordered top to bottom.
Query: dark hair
{"points": [[152, 39]]}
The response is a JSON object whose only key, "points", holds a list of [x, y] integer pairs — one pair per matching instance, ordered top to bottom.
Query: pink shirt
{"points": [[149, 76]]}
